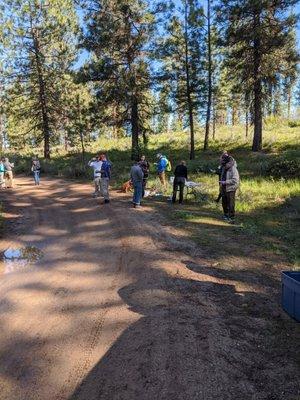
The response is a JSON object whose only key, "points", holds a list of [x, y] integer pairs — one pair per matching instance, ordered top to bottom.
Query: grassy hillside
{"points": [[267, 203]]}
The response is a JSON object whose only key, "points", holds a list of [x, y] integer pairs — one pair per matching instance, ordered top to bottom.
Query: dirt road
{"points": [[119, 307]]}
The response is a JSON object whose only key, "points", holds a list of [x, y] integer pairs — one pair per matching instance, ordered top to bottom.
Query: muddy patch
{"points": [[18, 259]]}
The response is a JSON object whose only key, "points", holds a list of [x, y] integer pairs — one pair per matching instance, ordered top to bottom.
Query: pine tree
{"points": [[256, 35], [117, 36], [41, 47], [181, 51], [290, 73], [209, 74], [163, 111]]}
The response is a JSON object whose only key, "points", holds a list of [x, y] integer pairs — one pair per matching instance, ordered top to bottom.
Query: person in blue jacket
{"points": [[161, 168], [105, 177]]}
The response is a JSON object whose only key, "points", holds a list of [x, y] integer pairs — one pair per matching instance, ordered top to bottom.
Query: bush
{"points": [[294, 124], [284, 168]]}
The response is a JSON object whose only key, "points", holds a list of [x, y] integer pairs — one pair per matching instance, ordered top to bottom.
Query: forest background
{"points": [[188, 78]]}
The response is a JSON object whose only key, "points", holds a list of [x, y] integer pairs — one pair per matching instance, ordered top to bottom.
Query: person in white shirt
{"points": [[96, 164]]}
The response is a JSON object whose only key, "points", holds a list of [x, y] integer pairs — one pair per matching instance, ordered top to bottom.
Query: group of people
{"points": [[6, 173], [139, 173], [7, 176], [228, 181]]}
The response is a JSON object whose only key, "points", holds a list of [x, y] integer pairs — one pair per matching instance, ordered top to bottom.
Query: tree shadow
{"points": [[209, 334], [197, 339]]}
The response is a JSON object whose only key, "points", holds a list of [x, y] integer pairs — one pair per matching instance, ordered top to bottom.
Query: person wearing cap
{"points": [[96, 164], [161, 168], [229, 181]]}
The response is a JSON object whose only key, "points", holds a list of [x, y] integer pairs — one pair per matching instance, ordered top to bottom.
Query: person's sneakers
{"points": [[106, 201], [136, 205], [225, 218], [231, 221]]}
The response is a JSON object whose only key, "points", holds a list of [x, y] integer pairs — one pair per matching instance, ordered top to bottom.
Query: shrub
{"points": [[294, 124], [284, 168]]}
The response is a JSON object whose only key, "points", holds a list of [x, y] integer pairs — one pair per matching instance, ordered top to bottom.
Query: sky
{"points": [[83, 56]]}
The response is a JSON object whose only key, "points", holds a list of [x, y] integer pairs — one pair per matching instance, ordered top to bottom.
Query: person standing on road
{"points": [[96, 164], [8, 166], [145, 166], [161, 168], [36, 169], [2, 170], [137, 176], [105, 177], [179, 181], [229, 182]]}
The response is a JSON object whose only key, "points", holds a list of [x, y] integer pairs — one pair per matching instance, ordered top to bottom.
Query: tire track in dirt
{"points": [[77, 374]]}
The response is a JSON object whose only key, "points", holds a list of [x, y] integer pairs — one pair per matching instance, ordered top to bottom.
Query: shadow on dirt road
{"points": [[115, 310]]}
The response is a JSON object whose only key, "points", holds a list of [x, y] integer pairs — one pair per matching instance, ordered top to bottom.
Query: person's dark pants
{"points": [[178, 182], [144, 186], [137, 194], [228, 203]]}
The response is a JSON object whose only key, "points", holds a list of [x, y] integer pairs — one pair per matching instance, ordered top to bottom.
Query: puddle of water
{"points": [[16, 259]]}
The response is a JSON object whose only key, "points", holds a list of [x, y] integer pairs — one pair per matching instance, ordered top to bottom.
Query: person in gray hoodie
{"points": [[136, 176], [229, 182]]}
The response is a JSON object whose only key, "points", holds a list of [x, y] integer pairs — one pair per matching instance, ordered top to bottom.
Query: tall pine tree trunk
{"points": [[188, 87], [42, 94], [209, 97], [289, 101], [233, 115], [214, 118], [134, 128], [81, 132], [1, 133], [257, 137]]}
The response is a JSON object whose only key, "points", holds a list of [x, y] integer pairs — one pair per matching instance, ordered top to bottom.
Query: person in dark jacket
{"points": [[145, 166], [36, 169], [136, 176], [105, 177], [179, 181]]}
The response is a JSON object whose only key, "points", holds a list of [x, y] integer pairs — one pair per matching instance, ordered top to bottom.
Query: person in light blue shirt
{"points": [[2, 171]]}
